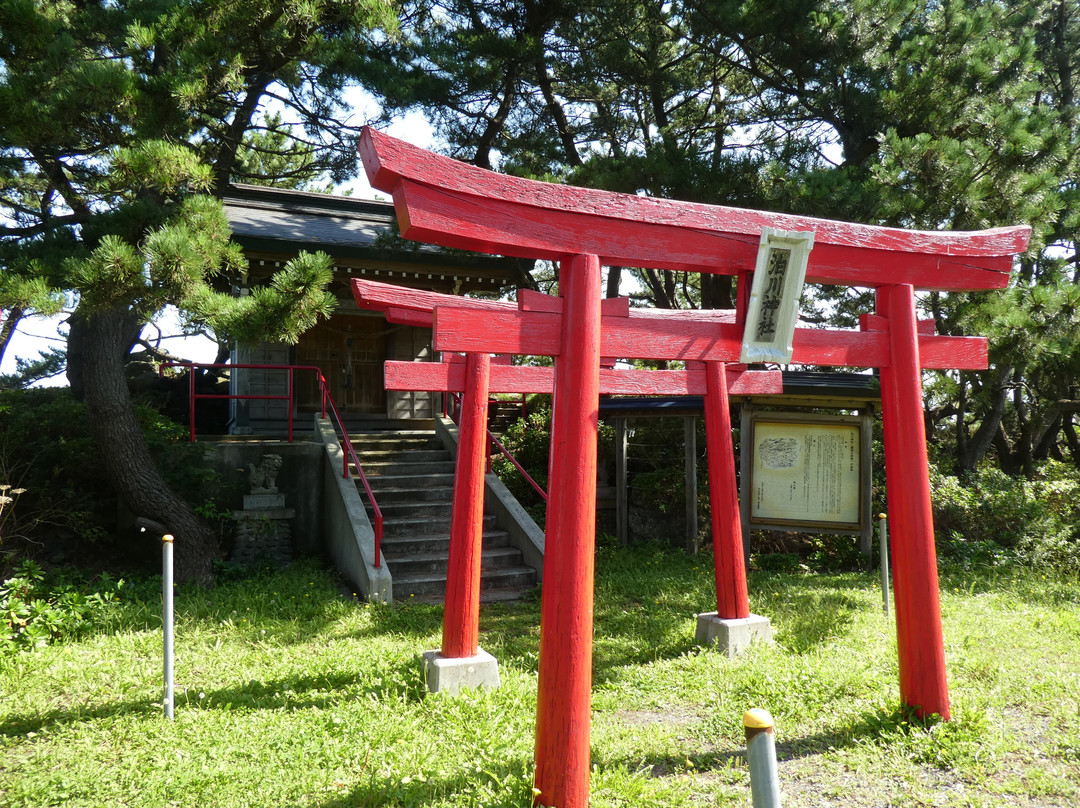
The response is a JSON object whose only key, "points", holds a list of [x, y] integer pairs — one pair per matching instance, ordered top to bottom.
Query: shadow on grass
{"points": [[1028, 585], [271, 598], [645, 601], [812, 616], [403, 619], [390, 684], [18, 725], [868, 727], [505, 785]]}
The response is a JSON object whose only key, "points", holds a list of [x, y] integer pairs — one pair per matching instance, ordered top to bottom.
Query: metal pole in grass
{"points": [[883, 531], [167, 618], [761, 757]]}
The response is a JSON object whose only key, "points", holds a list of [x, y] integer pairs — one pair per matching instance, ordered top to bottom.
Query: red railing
{"points": [[324, 392], [453, 409]]}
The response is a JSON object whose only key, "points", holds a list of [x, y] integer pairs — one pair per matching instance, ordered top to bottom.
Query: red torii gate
{"points": [[441, 201]]}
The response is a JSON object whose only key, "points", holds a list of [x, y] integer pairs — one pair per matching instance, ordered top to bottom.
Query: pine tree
{"points": [[121, 124]]}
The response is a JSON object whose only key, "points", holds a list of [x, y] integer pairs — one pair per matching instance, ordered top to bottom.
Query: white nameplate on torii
{"points": [[774, 296]]}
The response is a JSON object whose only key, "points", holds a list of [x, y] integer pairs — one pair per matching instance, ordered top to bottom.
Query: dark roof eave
{"points": [[493, 264]]}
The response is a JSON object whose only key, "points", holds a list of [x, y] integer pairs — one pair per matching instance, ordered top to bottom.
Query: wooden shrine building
{"points": [[273, 226]]}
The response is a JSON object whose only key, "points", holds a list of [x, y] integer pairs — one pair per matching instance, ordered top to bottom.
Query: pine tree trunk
{"points": [[7, 330], [124, 452], [969, 455]]}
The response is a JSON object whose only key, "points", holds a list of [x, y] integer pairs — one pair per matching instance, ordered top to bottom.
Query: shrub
{"points": [[529, 441], [46, 449], [66, 503], [991, 517], [36, 609]]}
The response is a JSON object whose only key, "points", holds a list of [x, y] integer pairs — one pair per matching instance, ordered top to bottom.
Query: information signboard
{"points": [[806, 470]]}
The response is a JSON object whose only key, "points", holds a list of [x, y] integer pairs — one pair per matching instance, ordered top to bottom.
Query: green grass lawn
{"points": [[291, 695]]}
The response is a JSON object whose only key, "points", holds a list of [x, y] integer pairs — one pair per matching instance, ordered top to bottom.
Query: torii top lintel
{"points": [[444, 201]]}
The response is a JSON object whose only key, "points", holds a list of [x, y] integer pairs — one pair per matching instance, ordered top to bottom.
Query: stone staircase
{"points": [[502, 414], [412, 477]]}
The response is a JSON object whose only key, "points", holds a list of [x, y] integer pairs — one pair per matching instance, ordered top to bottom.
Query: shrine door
{"points": [[350, 350]]}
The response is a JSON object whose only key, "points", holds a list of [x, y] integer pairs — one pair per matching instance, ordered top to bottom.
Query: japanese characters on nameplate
{"points": [[774, 296]]}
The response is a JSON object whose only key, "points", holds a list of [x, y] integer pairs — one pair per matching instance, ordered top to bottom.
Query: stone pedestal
{"points": [[263, 501], [263, 529], [732, 636], [450, 675]]}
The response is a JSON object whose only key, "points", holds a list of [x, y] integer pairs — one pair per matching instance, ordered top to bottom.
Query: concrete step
{"points": [[414, 438], [392, 455], [403, 468], [442, 479], [382, 482], [419, 493], [413, 509], [410, 526], [404, 546], [430, 564], [501, 578], [511, 594]]}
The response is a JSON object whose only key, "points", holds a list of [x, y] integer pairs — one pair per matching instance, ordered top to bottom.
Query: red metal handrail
{"points": [[324, 391], [193, 396], [455, 410], [350, 452], [517, 465]]}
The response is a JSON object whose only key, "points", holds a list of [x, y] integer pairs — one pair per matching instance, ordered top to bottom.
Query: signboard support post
{"points": [[866, 451], [690, 475], [622, 516]]}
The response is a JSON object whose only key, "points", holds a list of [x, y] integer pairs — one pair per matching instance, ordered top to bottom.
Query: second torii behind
{"points": [[475, 376]]}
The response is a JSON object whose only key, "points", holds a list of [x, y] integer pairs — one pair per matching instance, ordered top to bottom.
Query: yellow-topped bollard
{"points": [[757, 719], [761, 758]]}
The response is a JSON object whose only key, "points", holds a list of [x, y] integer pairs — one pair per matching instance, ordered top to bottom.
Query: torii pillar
{"points": [[914, 560], [566, 620]]}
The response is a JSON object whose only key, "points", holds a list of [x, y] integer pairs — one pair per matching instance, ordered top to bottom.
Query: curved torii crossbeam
{"points": [[442, 201]]}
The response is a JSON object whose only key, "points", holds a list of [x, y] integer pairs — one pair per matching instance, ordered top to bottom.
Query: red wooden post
{"points": [[191, 403], [732, 600], [566, 613], [461, 617], [919, 638]]}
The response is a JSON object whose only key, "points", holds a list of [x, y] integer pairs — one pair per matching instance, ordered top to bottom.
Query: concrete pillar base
{"points": [[732, 636], [444, 674]]}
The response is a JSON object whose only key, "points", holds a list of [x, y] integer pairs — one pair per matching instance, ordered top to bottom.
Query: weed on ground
{"points": [[291, 694]]}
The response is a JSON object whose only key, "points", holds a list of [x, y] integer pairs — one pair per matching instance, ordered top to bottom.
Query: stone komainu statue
{"points": [[263, 477]]}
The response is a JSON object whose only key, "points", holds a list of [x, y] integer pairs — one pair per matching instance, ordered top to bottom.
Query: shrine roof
{"points": [[273, 214], [286, 221]]}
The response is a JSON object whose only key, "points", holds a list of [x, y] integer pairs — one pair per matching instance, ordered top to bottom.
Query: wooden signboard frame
{"points": [[858, 425]]}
